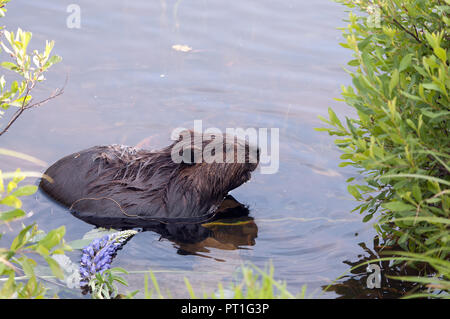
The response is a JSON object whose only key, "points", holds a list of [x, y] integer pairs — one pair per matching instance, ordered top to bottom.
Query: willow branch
{"points": [[406, 30], [24, 106], [17, 114]]}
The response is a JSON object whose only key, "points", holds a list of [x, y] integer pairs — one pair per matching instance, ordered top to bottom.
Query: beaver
{"points": [[118, 181]]}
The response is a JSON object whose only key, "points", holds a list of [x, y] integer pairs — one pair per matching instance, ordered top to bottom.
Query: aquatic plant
{"points": [[400, 139], [96, 259], [251, 283], [256, 283]]}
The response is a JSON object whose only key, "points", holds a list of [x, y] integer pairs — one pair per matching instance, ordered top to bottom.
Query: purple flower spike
{"points": [[98, 255]]}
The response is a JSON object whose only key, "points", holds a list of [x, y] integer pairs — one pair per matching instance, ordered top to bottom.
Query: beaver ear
{"points": [[190, 155]]}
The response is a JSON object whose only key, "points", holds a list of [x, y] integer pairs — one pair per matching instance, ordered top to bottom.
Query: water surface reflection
{"points": [[230, 228]]}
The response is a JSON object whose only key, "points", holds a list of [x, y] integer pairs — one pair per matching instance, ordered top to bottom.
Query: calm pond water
{"points": [[254, 63]]}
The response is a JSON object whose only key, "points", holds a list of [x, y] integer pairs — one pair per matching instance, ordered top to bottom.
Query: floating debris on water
{"points": [[181, 48]]}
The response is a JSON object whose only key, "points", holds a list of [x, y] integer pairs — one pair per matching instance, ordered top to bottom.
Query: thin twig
{"points": [[415, 29], [406, 30], [56, 93], [24, 107], [17, 114]]}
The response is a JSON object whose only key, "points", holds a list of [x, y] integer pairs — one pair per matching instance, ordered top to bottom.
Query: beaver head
{"points": [[213, 163], [187, 179]]}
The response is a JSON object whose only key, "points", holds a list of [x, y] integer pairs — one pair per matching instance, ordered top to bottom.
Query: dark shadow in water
{"points": [[229, 228], [354, 285]]}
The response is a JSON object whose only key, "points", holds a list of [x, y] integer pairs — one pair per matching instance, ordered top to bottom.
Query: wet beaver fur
{"points": [[119, 181]]}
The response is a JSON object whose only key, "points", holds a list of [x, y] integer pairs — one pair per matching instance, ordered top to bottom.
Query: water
{"points": [[254, 63]]}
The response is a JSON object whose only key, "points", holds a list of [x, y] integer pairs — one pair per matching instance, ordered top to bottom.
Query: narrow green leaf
{"points": [[405, 62], [9, 66], [394, 80], [25, 190], [11, 201], [397, 206], [11, 214], [54, 266]]}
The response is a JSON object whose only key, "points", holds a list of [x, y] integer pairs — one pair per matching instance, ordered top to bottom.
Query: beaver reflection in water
{"points": [[122, 181], [230, 228]]}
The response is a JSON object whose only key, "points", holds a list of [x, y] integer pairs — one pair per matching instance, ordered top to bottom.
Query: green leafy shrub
{"points": [[29, 67], [400, 139], [15, 261], [16, 264]]}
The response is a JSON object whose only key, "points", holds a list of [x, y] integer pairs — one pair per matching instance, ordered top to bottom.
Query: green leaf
{"points": [[26, 37], [362, 45], [441, 54], [53, 60], [353, 62], [405, 62], [9, 66], [394, 81], [432, 86], [14, 87], [410, 96], [21, 101], [431, 114], [320, 117], [333, 118], [351, 127], [419, 176], [2, 185], [11, 186], [25, 190], [353, 190], [416, 192], [11, 201], [397, 206], [12, 214], [90, 236], [53, 237], [21, 239], [403, 239], [28, 266], [54, 266], [119, 269], [189, 288]]}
